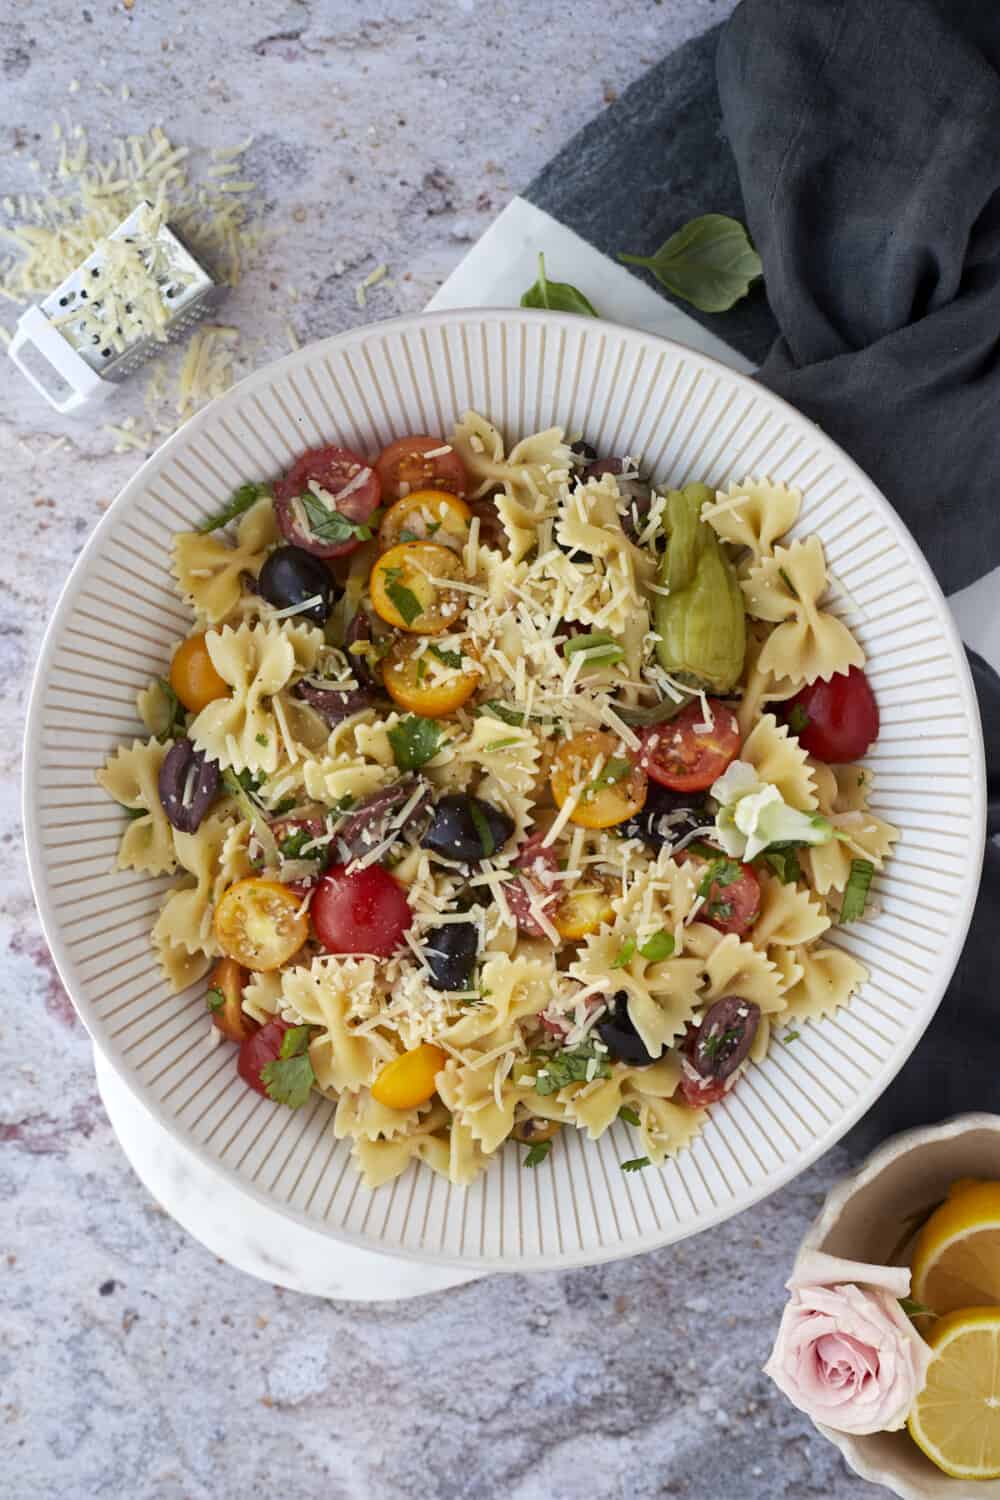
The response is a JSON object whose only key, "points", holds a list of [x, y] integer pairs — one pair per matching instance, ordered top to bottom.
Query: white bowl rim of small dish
{"points": [[522, 319]]}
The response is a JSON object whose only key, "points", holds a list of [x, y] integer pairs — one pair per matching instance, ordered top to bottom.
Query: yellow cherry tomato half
{"points": [[425, 516], [409, 587], [194, 678], [426, 681], [613, 788], [582, 910], [259, 923], [225, 1001], [409, 1079]]}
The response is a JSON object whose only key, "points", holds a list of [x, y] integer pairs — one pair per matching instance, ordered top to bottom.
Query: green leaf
{"points": [[709, 263], [558, 296], [243, 498], [331, 525], [789, 585], [405, 600], [595, 648], [447, 658], [174, 712], [656, 713], [507, 715], [798, 719], [415, 741], [501, 744], [615, 769], [133, 812], [487, 842], [784, 861], [720, 873], [856, 890], [658, 947], [625, 952], [214, 1000], [791, 1036], [569, 1066], [290, 1077], [630, 1116], [538, 1153], [636, 1164], [915, 1309]]}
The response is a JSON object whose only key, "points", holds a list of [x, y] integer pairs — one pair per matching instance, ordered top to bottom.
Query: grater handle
{"points": [[34, 331]]}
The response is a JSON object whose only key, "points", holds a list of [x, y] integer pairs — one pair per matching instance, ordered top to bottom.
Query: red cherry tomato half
{"points": [[404, 462], [340, 473], [839, 718], [686, 756], [535, 862], [732, 905], [360, 911], [259, 1050], [697, 1092]]}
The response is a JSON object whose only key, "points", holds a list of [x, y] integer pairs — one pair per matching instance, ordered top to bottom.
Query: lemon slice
{"points": [[956, 1262], [956, 1417]]}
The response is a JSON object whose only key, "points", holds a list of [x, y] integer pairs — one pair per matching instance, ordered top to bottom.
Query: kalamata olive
{"points": [[634, 490], [491, 529], [291, 576], [360, 629], [334, 704], [188, 784], [666, 818], [370, 823], [467, 828], [451, 951], [618, 1034], [724, 1037], [532, 1128]]}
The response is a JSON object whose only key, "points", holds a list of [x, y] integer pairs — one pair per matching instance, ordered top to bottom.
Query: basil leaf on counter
{"points": [[709, 263], [559, 296]]}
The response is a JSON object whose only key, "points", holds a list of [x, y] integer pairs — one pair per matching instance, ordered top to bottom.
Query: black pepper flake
{"points": [[106, 1288]]}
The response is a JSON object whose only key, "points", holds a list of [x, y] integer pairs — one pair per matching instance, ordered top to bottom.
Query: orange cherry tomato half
{"points": [[405, 463], [426, 516], [409, 587], [193, 676], [427, 682], [690, 752], [614, 788], [582, 910], [259, 924], [225, 1001], [409, 1079]]}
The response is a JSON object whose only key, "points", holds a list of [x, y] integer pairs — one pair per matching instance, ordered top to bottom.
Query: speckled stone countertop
{"points": [[132, 1363]]}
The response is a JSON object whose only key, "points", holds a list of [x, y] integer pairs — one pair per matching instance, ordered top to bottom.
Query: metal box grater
{"points": [[69, 365]]}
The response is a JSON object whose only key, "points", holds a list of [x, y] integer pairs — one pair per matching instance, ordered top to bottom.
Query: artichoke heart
{"points": [[701, 622]]}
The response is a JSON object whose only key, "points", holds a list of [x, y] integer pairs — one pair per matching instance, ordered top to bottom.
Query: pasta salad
{"points": [[508, 792]]}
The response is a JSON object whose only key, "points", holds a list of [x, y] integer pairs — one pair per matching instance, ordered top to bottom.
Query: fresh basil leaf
{"points": [[710, 263], [558, 296], [243, 498], [331, 525], [405, 600], [595, 648], [445, 657], [174, 712], [656, 713], [508, 715], [415, 741], [615, 769], [484, 832], [784, 861], [720, 873], [856, 890], [658, 947], [625, 952], [569, 1066], [630, 1116], [538, 1153], [636, 1164]]}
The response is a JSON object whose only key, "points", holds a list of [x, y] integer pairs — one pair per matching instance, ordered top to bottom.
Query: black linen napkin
{"points": [[867, 166]]}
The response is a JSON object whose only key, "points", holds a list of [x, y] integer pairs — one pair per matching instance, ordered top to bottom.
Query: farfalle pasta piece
{"points": [[532, 472], [753, 513], [208, 569], [603, 573], [807, 642], [759, 687], [243, 731], [778, 758], [496, 761], [131, 777], [859, 835], [788, 916], [185, 920], [180, 967], [737, 968], [829, 978], [513, 988], [329, 994], [262, 997], [662, 997], [480, 1102], [594, 1106], [360, 1116], [666, 1128], [380, 1161]]}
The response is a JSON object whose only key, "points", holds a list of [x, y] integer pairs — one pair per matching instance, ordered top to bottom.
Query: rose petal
{"points": [[816, 1268]]}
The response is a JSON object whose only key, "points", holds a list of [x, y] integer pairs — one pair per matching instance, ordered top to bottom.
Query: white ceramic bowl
{"points": [[686, 417], [866, 1217]]}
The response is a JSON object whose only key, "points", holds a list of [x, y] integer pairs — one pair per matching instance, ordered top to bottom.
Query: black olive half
{"points": [[291, 576], [334, 704], [187, 785], [666, 817], [372, 822], [466, 828], [451, 951], [618, 1034], [725, 1036]]}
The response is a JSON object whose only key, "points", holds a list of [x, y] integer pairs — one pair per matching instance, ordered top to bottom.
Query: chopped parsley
{"points": [[242, 499], [332, 525], [789, 585], [405, 600], [595, 648], [446, 657], [421, 669], [174, 712], [798, 719], [261, 739], [415, 741], [616, 769], [285, 805], [484, 832], [294, 844], [720, 874], [856, 891], [658, 947], [624, 954], [214, 1000], [791, 1036], [712, 1045], [569, 1066], [290, 1077], [629, 1115], [539, 1151], [636, 1164]]}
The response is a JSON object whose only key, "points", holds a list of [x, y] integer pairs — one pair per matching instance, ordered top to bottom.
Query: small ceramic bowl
{"points": [[866, 1217]]}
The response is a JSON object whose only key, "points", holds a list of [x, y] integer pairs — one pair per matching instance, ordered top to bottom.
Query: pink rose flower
{"points": [[846, 1354]]}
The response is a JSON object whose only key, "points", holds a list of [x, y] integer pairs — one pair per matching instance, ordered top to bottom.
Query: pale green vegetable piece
{"points": [[701, 621], [753, 815]]}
